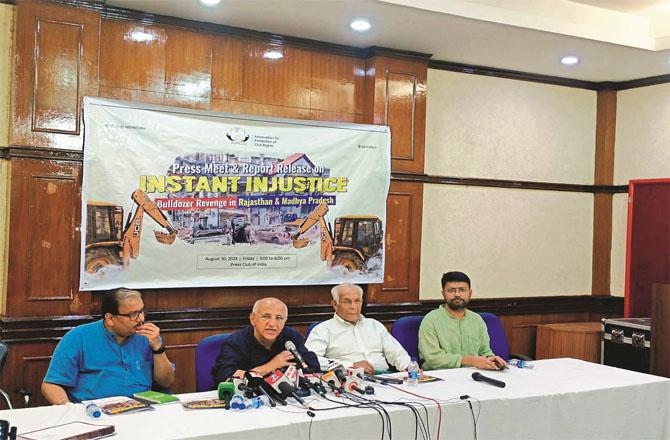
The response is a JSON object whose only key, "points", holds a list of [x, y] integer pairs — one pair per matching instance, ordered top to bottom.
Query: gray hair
{"points": [[335, 291], [112, 300], [258, 303]]}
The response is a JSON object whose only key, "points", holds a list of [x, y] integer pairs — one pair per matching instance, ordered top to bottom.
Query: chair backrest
{"points": [[310, 328], [406, 331], [499, 344], [4, 352], [205, 355]]}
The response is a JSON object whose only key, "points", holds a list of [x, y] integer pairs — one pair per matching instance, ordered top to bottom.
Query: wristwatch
{"points": [[159, 350]]}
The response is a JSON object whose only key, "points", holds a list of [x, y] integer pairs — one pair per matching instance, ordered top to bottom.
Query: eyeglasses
{"points": [[456, 289], [134, 316], [266, 317]]}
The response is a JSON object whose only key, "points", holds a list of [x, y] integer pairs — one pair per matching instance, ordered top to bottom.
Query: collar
{"points": [[452, 316], [339, 319], [109, 335]]}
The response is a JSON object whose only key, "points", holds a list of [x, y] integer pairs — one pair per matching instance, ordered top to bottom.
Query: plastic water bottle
{"points": [[520, 363], [413, 373], [238, 402], [256, 402], [92, 410]]}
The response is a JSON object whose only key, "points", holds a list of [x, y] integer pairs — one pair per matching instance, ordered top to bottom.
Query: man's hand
{"points": [[151, 332], [282, 360], [500, 362], [483, 363], [366, 366]]}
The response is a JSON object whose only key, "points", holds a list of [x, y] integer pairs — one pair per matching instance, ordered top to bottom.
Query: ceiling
{"points": [[616, 40]]}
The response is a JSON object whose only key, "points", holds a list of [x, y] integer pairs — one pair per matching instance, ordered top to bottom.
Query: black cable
{"points": [[365, 404], [474, 421]]}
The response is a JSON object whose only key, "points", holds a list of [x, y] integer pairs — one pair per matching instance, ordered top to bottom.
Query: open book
{"points": [[119, 405]]}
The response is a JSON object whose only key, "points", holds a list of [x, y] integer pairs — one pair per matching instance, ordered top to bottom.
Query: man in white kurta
{"points": [[354, 340]]}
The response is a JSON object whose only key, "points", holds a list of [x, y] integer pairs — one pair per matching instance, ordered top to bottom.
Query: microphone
{"points": [[290, 346], [339, 371], [291, 374], [275, 378], [481, 378], [332, 381], [256, 382], [307, 384], [351, 384], [241, 389], [288, 390], [226, 392]]}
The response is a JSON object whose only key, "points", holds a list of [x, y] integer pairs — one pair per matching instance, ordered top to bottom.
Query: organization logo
{"points": [[237, 135]]}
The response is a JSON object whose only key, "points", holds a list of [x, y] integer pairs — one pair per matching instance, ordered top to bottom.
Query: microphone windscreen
{"points": [[289, 345], [476, 375], [226, 390]]}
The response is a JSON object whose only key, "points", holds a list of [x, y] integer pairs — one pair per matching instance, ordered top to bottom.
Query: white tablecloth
{"points": [[559, 398]]}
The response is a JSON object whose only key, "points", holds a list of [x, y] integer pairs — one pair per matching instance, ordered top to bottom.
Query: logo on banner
{"points": [[237, 135]]}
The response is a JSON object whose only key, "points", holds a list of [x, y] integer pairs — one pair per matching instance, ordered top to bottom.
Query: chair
{"points": [[310, 328], [406, 331], [498, 339], [4, 352], [205, 355]]}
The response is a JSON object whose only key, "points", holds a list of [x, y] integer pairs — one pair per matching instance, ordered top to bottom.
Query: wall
{"points": [[6, 68], [642, 152], [512, 242]]}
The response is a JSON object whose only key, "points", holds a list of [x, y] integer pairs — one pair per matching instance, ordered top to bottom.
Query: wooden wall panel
{"points": [[132, 56], [227, 56], [56, 65], [188, 69], [285, 81], [337, 83], [132, 95], [396, 96], [55, 100], [250, 108], [317, 115], [602, 203], [402, 245], [44, 253], [577, 340], [28, 363]]}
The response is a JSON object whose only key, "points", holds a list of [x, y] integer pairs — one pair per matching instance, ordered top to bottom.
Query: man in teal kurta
{"points": [[452, 336]]}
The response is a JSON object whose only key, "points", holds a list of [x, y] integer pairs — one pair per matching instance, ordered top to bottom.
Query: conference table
{"points": [[559, 398]]}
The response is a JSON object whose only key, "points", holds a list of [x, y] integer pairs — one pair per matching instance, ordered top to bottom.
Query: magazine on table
{"points": [[204, 404], [119, 405], [70, 431]]}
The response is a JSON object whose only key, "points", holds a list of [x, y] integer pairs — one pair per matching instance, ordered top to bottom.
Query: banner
{"points": [[184, 198]]}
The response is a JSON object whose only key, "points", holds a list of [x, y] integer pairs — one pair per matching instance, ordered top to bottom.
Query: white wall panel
{"points": [[480, 126], [642, 134], [510, 242]]}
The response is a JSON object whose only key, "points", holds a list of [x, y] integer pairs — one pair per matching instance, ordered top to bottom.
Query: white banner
{"points": [[184, 198]]}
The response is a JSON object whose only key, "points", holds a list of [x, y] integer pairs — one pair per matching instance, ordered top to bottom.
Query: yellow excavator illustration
{"points": [[357, 238], [108, 244]]}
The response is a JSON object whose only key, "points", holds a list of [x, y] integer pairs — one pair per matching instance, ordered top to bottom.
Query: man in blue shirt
{"points": [[260, 346], [119, 355]]}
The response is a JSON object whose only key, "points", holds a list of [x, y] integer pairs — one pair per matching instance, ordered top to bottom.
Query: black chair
{"points": [[4, 352]]}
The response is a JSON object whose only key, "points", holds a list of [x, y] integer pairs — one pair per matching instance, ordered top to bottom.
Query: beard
{"points": [[457, 304]]}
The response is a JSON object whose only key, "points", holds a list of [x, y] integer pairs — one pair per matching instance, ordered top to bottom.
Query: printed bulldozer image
{"points": [[357, 238], [107, 243]]}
